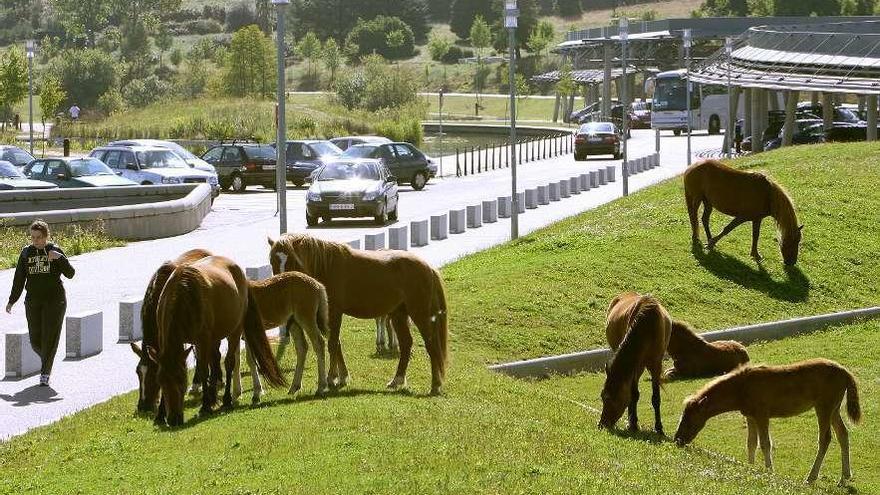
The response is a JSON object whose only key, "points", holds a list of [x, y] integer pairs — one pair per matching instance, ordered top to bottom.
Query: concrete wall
{"points": [[128, 213]]}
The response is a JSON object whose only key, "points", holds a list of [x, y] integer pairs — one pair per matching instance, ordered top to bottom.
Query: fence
{"points": [[480, 159]]}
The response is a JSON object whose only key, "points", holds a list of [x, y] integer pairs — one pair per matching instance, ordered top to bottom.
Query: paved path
{"points": [[238, 227]]}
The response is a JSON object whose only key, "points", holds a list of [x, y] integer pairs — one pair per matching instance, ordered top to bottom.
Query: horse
{"points": [[747, 197], [372, 284], [299, 302], [203, 303], [646, 326], [386, 340], [693, 357], [148, 387], [764, 392]]}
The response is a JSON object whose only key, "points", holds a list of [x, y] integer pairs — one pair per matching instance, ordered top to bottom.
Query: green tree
{"points": [[568, 8], [760, 8], [465, 11], [263, 16], [84, 18], [526, 22], [372, 36], [480, 36], [541, 37], [164, 42], [438, 47], [309, 48], [176, 57], [332, 57], [250, 70], [85, 75], [13, 80], [51, 96]]}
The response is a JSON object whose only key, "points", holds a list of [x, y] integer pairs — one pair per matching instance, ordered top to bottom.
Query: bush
{"points": [[240, 16], [200, 26], [374, 36], [438, 47], [455, 53], [85, 75], [377, 86], [350, 89], [141, 92], [111, 103]]}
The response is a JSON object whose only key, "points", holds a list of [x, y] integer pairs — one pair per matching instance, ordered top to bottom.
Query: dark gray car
{"points": [[403, 160]]}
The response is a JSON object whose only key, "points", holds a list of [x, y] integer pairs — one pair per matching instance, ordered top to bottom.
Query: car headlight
{"points": [[171, 180], [212, 180], [371, 195], [313, 196]]}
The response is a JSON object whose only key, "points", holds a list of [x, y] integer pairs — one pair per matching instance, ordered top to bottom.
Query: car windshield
{"points": [[670, 94], [847, 115], [803, 125], [596, 127], [325, 149], [180, 150], [262, 152], [359, 152], [160, 159], [89, 166], [8, 170], [349, 171]]}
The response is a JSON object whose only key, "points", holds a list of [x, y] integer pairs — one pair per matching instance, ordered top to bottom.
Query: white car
{"points": [[191, 159], [153, 165]]}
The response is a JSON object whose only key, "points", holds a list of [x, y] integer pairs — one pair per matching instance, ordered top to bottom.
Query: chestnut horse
{"points": [[747, 197], [371, 284], [299, 302], [203, 303], [646, 327], [693, 357], [764, 392], [148, 394]]}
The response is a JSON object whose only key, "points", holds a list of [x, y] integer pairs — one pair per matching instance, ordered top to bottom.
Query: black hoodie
{"points": [[38, 274]]}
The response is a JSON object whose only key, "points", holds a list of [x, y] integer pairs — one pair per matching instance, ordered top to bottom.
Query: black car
{"points": [[840, 114], [808, 131], [597, 138], [346, 142], [15, 156], [304, 157], [404, 160], [240, 165], [75, 172], [11, 179], [350, 189]]}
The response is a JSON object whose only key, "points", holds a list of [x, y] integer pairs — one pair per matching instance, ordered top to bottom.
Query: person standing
{"points": [[74, 112], [39, 271]]}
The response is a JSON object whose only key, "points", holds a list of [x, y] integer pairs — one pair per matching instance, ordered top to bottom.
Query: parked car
{"points": [[641, 114], [841, 114], [581, 115], [808, 131], [597, 138], [346, 142], [15, 155], [304, 157], [192, 160], [403, 160], [150, 165], [240, 165], [75, 172], [11, 179], [352, 188]]}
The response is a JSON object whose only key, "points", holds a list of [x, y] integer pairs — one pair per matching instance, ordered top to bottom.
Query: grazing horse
{"points": [[747, 197], [372, 284], [299, 302], [203, 303], [646, 328], [386, 340], [693, 357], [764, 392], [148, 394]]}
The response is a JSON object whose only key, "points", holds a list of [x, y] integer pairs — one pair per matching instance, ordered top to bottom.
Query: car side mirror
{"points": [[131, 166], [118, 173], [61, 176], [392, 178]]}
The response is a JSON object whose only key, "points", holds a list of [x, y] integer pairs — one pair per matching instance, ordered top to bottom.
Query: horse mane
{"points": [[782, 209], [316, 256], [151, 301], [180, 305], [637, 318], [683, 337], [722, 380]]}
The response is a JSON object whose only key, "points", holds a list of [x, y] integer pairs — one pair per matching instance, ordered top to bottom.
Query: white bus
{"points": [[708, 104]]}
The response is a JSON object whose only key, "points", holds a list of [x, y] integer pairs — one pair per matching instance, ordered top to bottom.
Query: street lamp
{"points": [[510, 22], [623, 25], [686, 37], [30, 56], [731, 110], [281, 136]]}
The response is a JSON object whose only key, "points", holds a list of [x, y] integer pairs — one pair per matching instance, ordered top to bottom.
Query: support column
{"points": [[606, 83], [773, 98], [814, 98], [791, 99], [570, 103], [556, 108], [827, 111], [872, 117], [747, 118], [730, 125], [757, 146]]}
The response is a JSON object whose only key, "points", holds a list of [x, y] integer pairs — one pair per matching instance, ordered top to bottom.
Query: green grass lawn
{"points": [[545, 294]]}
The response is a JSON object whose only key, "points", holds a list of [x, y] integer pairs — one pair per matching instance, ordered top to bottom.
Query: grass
{"points": [[462, 108], [74, 240], [545, 294]]}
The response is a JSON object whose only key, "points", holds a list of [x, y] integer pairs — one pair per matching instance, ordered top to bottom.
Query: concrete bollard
{"points": [[656, 159], [609, 173], [594, 179], [603, 179], [585, 182], [574, 185], [563, 189], [554, 191], [543, 195], [531, 198], [521, 202], [505, 207], [490, 211], [474, 216], [457, 223], [439, 227], [418, 233], [398, 238], [374, 242], [355, 244], [258, 272], [131, 327], [85, 334], [21, 360]]}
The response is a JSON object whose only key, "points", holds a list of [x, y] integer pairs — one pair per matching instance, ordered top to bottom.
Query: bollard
{"points": [[66, 144], [656, 159], [472, 160], [457, 164], [609, 173], [602, 178], [594, 179], [585, 182], [574, 185], [563, 189], [554, 191], [543, 195], [531, 199], [521, 202], [505, 209], [490, 211], [474, 216], [457, 224], [439, 227], [418, 233], [398, 238], [374, 242], [355, 244], [258, 272], [130, 325], [85, 333], [21, 360]]}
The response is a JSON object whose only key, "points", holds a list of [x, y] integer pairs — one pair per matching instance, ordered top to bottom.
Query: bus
{"points": [[708, 104]]}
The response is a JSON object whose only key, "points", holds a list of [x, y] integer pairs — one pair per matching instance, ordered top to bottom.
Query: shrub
{"points": [[239, 16], [388, 36], [455, 53], [85, 75], [141, 92], [111, 103]]}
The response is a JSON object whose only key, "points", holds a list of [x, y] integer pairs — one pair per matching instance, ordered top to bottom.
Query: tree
{"points": [[568, 8], [761, 8], [440, 10], [465, 11], [263, 16], [84, 18], [337, 18], [526, 22], [372, 36], [541, 37], [481, 38], [164, 42], [438, 47], [309, 48], [176, 57], [332, 57], [250, 70], [85, 75], [13, 80], [51, 96]]}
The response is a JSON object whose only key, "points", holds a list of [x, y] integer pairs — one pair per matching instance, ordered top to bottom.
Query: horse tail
{"points": [[181, 303], [323, 313], [149, 323], [440, 336], [255, 338], [853, 408]]}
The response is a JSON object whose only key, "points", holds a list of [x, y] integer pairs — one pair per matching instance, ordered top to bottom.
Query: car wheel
{"points": [[714, 125], [677, 132], [618, 156], [579, 158], [419, 180], [146, 183], [298, 183], [238, 184], [224, 186], [393, 215], [382, 217], [311, 221]]}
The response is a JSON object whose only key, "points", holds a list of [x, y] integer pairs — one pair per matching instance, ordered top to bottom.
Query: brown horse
{"points": [[747, 197], [367, 284], [299, 302], [203, 303], [646, 335], [693, 357], [764, 392], [148, 394]]}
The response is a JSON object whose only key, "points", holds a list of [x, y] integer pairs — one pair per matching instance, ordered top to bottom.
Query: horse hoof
{"points": [[397, 383], [293, 389], [436, 391], [255, 400], [206, 411], [633, 427]]}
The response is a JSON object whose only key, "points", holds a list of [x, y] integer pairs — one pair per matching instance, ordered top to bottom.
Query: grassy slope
{"points": [[492, 434]]}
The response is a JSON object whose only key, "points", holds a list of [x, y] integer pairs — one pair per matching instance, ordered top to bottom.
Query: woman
{"points": [[39, 270]]}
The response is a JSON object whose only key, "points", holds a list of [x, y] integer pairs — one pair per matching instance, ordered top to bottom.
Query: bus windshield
{"points": [[670, 94]]}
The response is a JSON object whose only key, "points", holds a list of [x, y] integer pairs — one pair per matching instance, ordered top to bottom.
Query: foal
{"points": [[693, 357], [764, 392]]}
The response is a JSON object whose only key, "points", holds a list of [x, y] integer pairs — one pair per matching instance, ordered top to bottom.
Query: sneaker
{"points": [[44, 380]]}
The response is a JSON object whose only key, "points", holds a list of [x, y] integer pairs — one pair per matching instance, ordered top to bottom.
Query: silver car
{"points": [[191, 159], [153, 165]]}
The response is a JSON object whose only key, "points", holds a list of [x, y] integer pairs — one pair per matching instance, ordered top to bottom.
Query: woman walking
{"points": [[39, 270]]}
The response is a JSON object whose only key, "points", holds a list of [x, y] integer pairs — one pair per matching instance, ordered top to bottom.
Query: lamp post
{"points": [[510, 22], [623, 25], [686, 36], [30, 56], [731, 107], [281, 135], [440, 166]]}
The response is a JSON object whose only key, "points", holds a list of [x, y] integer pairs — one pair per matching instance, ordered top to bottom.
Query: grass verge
{"points": [[74, 240]]}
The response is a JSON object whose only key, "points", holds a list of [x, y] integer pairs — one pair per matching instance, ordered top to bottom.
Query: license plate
{"points": [[595, 140], [268, 167], [342, 206]]}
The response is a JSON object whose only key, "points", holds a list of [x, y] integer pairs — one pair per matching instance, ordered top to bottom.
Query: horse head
{"points": [[790, 245], [284, 258], [171, 377], [148, 386], [615, 396], [693, 419]]}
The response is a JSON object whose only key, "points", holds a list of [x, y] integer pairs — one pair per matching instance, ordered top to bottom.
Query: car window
{"points": [[594, 127], [322, 148], [294, 151], [305, 151], [262, 152], [360, 152], [213, 154], [232, 154], [20, 157], [111, 158], [126, 158], [88, 166], [55, 167], [37, 169], [8, 170], [342, 171]]}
